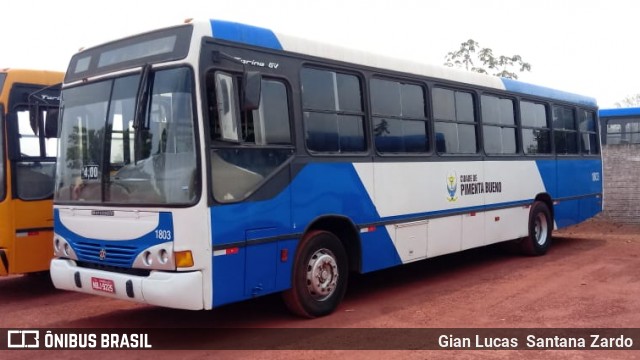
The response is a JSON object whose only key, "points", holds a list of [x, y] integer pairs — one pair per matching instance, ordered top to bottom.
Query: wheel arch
{"points": [[546, 199], [346, 231]]}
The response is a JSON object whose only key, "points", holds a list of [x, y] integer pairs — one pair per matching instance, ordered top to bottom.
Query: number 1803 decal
{"points": [[163, 234]]}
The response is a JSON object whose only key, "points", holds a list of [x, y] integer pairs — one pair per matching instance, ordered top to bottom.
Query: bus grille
{"points": [[107, 254]]}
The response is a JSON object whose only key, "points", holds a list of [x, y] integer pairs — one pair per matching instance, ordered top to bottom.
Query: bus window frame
{"points": [[364, 113], [428, 116], [477, 122], [516, 124]]}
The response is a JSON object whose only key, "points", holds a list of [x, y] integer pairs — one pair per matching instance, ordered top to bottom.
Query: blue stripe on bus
{"points": [[246, 34], [536, 90], [634, 111], [315, 196], [399, 219]]}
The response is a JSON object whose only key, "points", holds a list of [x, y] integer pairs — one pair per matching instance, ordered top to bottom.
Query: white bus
{"points": [[214, 162]]}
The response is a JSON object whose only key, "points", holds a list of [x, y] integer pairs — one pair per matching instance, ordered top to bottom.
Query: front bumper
{"points": [[179, 290]]}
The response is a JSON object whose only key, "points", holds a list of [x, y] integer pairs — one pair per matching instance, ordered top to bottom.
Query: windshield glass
{"points": [[107, 158]]}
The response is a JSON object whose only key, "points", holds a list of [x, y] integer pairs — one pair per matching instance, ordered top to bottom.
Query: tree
{"points": [[472, 57], [629, 101]]}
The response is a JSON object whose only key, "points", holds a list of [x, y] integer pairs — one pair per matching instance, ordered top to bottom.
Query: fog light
{"points": [[56, 245], [65, 249], [163, 256], [148, 260]]}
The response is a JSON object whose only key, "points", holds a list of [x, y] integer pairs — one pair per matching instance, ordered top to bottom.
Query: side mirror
{"points": [[251, 88], [51, 123]]}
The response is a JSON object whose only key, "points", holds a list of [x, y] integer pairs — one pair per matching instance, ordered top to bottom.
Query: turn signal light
{"points": [[184, 259]]}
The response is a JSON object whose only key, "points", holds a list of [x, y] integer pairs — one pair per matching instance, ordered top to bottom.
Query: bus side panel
{"points": [[548, 173], [579, 178], [322, 189], [326, 189], [579, 190], [589, 208], [566, 213], [251, 220], [506, 224], [7, 236], [33, 236], [246, 249], [33, 251], [378, 252], [285, 263], [261, 269], [252, 271], [228, 277]]}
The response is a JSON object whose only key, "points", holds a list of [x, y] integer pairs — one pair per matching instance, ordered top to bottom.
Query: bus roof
{"points": [[256, 36], [28, 76], [42, 77], [621, 112]]}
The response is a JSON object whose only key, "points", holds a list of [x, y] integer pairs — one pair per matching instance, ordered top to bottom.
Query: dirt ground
{"points": [[590, 278]]}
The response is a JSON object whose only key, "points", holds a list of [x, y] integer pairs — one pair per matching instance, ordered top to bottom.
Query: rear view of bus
{"points": [[29, 101]]}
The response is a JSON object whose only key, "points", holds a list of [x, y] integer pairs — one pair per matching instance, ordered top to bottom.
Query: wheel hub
{"points": [[540, 229], [322, 274]]}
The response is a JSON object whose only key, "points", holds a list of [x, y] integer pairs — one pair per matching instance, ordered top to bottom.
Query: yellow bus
{"points": [[29, 101]]}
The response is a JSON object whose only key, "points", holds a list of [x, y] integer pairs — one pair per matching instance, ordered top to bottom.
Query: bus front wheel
{"points": [[540, 228], [319, 279]]}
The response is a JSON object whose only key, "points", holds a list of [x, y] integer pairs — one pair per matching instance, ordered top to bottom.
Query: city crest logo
{"points": [[452, 187]]}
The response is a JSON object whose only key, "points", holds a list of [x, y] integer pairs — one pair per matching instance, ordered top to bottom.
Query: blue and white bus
{"points": [[620, 126], [214, 162]]}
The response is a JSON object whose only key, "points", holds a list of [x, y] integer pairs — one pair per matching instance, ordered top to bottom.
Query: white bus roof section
{"points": [[256, 36]]}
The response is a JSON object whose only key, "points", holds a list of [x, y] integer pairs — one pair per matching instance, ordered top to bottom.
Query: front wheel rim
{"points": [[322, 274]]}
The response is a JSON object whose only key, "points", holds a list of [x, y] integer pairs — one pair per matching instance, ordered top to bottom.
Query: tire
{"points": [[540, 229], [319, 280]]}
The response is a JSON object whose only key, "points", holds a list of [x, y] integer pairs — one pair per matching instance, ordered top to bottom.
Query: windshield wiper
{"points": [[139, 124]]}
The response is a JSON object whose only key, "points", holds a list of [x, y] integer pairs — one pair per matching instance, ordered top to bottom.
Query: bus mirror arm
{"points": [[251, 81], [251, 90], [51, 124]]}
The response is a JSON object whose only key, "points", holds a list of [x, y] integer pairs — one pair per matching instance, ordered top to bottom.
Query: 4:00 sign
{"points": [[90, 172]]}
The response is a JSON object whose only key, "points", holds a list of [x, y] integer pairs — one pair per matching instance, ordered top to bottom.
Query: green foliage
{"points": [[471, 56], [629, 101]]}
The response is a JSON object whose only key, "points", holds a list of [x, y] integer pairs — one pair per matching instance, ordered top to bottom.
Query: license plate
{"points": [[103, 285]]}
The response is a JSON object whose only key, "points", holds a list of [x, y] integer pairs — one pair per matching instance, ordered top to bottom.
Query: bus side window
{"points": [[227, 107], [271, 120], [455, 121], [264, 139]]}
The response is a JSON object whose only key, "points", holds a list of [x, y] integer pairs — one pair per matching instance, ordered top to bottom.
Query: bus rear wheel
{"points": [[540, 229], [319, 279]]}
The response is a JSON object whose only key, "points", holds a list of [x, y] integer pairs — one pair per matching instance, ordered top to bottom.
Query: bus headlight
{"points": [[61, 248], [163, 256], [158, 257], [147, 258]]}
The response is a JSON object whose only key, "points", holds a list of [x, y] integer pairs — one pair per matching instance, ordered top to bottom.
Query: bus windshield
{"points": [[106, 158]]}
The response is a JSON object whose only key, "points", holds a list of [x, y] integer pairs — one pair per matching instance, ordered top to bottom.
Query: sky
{"points": [[587, 47]]}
